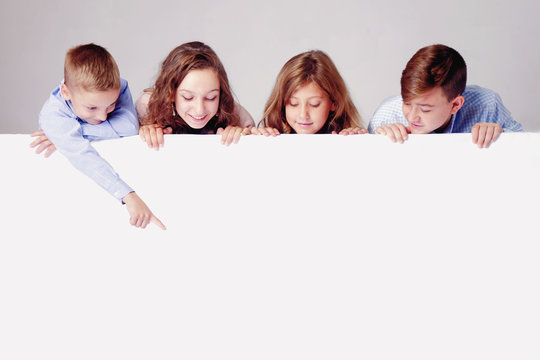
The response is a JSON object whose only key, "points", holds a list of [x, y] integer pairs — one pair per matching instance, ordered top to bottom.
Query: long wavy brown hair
{"points": [[180, 61], [303, 68]]}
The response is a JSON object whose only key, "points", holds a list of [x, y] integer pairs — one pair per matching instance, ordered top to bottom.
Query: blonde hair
{"points": [[311, 66], [91, 67]]}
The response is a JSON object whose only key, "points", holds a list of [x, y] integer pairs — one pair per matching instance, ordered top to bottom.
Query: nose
{"points": [[199, 107], [304, 112], [413, 113], [102, 116]]}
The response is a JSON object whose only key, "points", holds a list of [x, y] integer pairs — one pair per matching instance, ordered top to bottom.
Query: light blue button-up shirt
{"points": [[481, 105], [72, 136]]}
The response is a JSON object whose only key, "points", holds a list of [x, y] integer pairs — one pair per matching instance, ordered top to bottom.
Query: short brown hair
{"points": [[181, 60], [311, 66], [91, 67], [431, 67]]}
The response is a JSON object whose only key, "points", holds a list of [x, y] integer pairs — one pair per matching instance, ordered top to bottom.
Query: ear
{"points": [[66, 94], [457, 103]]}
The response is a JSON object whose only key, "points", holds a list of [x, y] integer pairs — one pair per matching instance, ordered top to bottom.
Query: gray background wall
{"points": [[370, 42]]}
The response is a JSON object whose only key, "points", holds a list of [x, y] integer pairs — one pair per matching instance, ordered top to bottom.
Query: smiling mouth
{"points": [[198, 118], [305, 124]]}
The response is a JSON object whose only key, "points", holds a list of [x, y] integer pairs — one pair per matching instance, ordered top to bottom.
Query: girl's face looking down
{"points": [[197, 97], [308, 108]]}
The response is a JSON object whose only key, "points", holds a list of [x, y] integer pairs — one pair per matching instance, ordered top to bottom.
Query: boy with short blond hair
{"points": [[91, 67], [435, 99], [92, 103]]}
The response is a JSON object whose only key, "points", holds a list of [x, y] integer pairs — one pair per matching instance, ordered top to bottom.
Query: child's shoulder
{"points": [[123, 84], [476, 95], [392, 101], [141, 104], [55, 105], [391, 105], [484, 105], [388, 111]]}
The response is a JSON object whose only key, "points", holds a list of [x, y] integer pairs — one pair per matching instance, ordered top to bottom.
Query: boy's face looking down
{"points": [[92, 106], [430, 111]]}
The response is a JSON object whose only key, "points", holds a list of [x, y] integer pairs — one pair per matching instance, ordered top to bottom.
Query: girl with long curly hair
{"points": [[191, 95], [309, 97]]}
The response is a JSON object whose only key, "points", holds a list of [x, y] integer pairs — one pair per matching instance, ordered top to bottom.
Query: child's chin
{"points": [[94, 122], [198, 125], [305, 130], [419, 131]]}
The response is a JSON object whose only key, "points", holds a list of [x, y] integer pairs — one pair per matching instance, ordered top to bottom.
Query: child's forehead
{"points": [[200, 80], [308, 89], [433, 96], [96, 97]]}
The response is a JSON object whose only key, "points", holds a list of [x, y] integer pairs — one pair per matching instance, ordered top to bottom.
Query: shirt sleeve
{"points": [[141, 105], [484, 105], [389, 112], [504, 118], [121, 122], [66, 134]]}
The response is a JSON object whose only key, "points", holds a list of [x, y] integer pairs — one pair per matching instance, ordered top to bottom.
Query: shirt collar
{"points": [[68, 103]]}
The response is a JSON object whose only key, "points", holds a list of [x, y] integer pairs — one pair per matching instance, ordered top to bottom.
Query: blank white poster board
{"points": [[294, 247]]}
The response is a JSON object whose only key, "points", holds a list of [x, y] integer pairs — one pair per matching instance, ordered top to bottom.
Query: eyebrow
{"points": [[191, 92], [309, 98], [114, 102]]}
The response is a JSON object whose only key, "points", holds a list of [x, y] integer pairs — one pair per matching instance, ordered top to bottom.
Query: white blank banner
{"points": [[294, 247]]}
